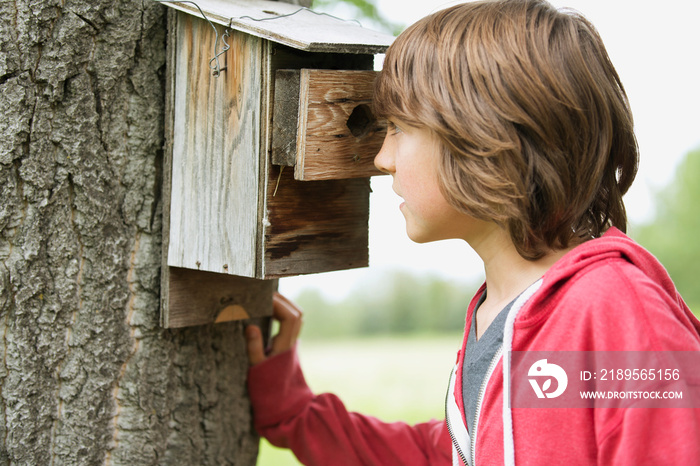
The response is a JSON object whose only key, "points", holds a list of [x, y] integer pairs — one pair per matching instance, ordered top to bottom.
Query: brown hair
{"points": [[535, 125]]}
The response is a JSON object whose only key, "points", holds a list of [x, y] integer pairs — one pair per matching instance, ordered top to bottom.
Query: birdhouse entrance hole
{"points": [[361, 121]]}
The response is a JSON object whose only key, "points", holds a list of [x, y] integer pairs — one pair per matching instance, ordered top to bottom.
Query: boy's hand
{"points": [[289, 317]]}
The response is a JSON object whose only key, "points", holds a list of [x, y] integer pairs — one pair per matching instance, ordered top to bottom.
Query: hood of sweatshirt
{"points": [[613, 245]]}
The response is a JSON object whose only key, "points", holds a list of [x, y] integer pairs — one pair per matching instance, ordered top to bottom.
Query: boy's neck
{"points": [[507, 273]]}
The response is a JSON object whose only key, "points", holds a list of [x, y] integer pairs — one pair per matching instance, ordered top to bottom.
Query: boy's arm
{"points": [[320, 431]]}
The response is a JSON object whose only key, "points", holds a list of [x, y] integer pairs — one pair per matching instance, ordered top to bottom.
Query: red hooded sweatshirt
{"points": [[608, 294]]}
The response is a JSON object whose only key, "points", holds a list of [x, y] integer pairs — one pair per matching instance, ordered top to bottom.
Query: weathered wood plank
{"points": [[303, 30], [285, 66], [285, 116], [338, 135], [216, 152], [265, 160], [299, 210], [314, 227], [197, 298]]}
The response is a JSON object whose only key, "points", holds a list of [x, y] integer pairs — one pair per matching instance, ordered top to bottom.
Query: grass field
{"points": [[392, 378]]}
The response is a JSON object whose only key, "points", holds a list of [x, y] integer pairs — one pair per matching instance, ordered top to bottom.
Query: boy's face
{"points": [[411, 155]]}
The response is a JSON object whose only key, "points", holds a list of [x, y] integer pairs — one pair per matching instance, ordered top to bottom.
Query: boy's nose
{"points": [[384, 161]]}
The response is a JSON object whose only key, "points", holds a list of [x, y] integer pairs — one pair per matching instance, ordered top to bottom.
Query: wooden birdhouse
{"points": [[270, 141]]}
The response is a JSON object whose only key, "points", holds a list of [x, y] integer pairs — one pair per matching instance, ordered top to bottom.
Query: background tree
{"points": [[364, 10], [673, 234]]}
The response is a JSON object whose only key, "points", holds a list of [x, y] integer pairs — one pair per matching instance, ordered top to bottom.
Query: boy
{"points": [[509, 129]]}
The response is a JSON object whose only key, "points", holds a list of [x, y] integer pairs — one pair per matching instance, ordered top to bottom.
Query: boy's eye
{"points": [[394, 129]]}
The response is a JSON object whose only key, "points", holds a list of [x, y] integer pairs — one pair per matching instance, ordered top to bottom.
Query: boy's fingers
{"points": [[283, 308], [289, 317], [295, 318], [256, 352]]}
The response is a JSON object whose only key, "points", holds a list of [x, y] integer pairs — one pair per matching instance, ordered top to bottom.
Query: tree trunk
{"points": [[87, 375]]}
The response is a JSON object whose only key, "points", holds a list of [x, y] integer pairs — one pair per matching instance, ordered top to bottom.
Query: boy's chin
{"points": [[421, 237]]}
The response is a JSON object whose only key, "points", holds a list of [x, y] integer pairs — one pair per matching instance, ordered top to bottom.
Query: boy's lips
{"points": [[403, 202]]}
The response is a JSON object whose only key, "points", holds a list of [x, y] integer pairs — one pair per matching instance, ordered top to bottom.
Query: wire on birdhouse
{"points": [[279, 16], [216, 68]]}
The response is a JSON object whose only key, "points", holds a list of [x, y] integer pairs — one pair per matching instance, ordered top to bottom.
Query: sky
{"points": [[655, 50]]}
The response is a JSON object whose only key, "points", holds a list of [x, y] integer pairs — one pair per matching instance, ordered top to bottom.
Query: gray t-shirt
{"points": [[478, 356]]}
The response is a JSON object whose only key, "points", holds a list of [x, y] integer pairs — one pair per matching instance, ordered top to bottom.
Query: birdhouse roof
{"points": [[289, 25]]}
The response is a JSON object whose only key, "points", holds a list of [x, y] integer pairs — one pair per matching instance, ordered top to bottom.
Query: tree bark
{"points": [[87, 376]]}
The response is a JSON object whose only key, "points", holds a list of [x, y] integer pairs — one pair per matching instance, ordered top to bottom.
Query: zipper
{"points": [[479, 400], [455, 444]]}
